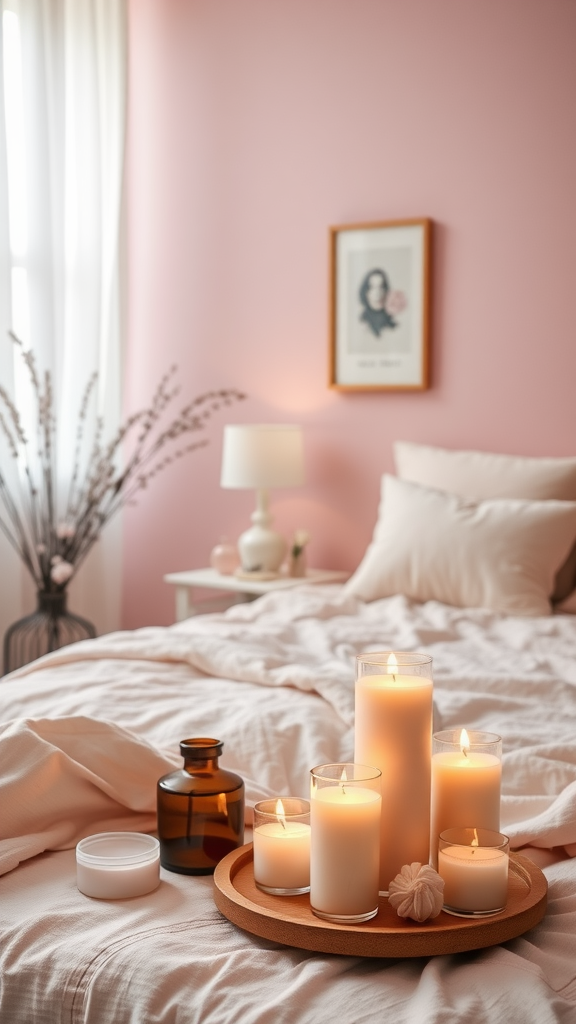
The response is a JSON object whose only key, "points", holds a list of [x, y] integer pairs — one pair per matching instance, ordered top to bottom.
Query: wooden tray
{"points": [[289, 920]]}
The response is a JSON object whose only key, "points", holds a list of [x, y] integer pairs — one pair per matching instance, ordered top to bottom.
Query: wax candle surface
{"points": [[393, 732], [465, 792], [344, 853], [282, 855], [475, 878]]}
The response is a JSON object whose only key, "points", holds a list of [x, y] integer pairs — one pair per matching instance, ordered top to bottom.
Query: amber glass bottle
{"points": [[200, 810]]}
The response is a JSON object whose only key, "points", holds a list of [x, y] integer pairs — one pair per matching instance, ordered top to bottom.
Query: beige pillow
{"points": [[473, 474], [431, 545]]}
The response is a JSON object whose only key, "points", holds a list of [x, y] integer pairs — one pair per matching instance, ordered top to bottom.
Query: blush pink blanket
{"points": [[66, 778], [62, 779]]}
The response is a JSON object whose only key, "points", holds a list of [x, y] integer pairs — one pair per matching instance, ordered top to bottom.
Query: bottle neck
{"points": [[201, 754], [196, 764]]}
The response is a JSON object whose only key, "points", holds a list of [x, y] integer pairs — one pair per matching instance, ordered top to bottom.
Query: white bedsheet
{"points": [[274, 681]]}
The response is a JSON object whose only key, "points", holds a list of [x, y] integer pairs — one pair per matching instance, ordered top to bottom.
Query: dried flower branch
{"points": [[53, 538]]}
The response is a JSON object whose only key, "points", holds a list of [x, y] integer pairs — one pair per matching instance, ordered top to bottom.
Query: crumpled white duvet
{"points": [[273, 680]]}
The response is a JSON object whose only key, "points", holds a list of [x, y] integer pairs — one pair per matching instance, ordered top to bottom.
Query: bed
{"points": [[89, 729]]}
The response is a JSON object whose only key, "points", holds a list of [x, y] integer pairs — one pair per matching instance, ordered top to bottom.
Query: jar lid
{"points": [[201, 747], [117, 849], [117, 865]]}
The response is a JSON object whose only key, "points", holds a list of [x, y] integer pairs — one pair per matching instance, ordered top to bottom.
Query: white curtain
{"points": [[62, 130]]}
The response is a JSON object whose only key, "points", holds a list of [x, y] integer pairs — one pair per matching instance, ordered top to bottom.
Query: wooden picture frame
{"points": [[380, 306]]}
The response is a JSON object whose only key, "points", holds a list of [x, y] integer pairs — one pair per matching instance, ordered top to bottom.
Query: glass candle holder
{"points": [[393, 731], [466, 780], [345, 805], [282, 846], [474, 865]]}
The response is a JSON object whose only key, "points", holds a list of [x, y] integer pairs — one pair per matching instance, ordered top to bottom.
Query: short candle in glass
{"points": [[393, 731], [466, 777], [345, 805], [282, 846], [474, 865]]}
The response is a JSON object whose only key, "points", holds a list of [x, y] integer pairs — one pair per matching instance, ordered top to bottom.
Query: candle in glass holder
{"points": [[393, 732], [466, 778], [345, 808], [282, 846], [474, 865]]}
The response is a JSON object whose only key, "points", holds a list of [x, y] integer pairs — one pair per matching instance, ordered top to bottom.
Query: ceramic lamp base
{"points": [[261, 549]]}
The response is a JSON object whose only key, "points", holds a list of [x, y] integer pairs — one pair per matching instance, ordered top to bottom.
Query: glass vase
{"points": [[224, 558], [297, 564], [50, 627]]}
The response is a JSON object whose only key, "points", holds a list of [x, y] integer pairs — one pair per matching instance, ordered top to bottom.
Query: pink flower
{"points": [[396, 303], [64, 531], [61, 572]]}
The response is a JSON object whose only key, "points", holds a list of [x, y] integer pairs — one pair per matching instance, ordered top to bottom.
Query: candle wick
{"points": [[464, 751], [283, 823]]}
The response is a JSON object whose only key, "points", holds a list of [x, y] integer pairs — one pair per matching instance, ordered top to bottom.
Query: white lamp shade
{"points": [[262, 456]]}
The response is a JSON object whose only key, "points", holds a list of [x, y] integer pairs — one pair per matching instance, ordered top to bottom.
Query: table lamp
{"points": [[261, 457]]}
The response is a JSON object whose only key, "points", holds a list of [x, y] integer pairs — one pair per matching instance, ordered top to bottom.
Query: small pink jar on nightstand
{"points": [[224, 557]]}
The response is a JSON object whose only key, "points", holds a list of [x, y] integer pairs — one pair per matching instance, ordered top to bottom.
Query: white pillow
{"points": [[473, 474], [499, 554]]}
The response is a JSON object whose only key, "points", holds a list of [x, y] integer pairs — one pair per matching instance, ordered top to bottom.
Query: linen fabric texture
{"points": [[69, 959]]}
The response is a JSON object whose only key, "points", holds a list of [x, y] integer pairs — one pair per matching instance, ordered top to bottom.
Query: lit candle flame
{"points": [[392, 664], [464, 742], [343, 779], [221, 803], [281, 813], [475, 840]]}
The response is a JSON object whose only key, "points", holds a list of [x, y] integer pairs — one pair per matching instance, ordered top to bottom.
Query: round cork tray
{"points": [[289, 920]]}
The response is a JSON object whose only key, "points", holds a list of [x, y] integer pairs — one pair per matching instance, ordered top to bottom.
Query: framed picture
{"points": [[380, 306]]}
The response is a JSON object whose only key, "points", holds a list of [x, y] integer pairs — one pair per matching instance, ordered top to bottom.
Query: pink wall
{"points": [[253, 126]]}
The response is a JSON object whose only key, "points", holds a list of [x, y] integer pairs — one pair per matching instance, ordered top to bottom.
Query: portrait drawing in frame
{"points": [[380, 306]]}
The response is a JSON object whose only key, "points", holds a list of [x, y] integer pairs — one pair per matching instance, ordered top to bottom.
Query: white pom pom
{"points": [[417, 892]]}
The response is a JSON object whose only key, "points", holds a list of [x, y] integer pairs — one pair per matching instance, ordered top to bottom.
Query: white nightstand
{"points": [[237, 589]]}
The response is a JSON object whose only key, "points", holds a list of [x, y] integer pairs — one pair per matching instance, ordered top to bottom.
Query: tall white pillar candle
{"points": [[393, 732], [466, 779], [345, 805]]}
